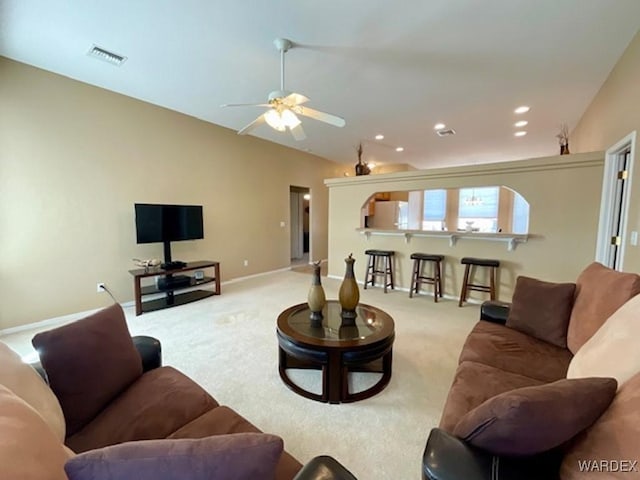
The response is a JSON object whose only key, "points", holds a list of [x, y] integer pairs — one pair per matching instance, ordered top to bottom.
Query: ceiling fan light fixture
{"points": [[284, 105], [273, 118], [289, 119], [281, 120]]}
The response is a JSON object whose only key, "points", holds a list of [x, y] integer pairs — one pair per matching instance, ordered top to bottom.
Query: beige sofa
{"points": [[517, 352], [103, 398]]}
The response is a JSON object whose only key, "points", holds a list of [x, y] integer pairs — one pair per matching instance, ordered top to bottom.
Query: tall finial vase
{"points": [[349, 295], [316, 298]]}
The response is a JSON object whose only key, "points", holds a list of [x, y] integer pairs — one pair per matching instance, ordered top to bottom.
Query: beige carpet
{"points": [[228, 345]]}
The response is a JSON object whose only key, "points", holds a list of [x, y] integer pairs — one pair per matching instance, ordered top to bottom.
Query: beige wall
{"points": [[613, 114], [74, 159], [564, 197]]}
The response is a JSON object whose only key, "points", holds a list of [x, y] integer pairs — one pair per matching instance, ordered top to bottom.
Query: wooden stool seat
{"points": [[481, 262], [375, 270], [417, 277], [467, 283]]}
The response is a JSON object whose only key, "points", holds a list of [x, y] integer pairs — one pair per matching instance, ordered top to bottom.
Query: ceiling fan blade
{"points": [[295, 99], [245, 105], [321, 116], [256, 123], [298, 132]]}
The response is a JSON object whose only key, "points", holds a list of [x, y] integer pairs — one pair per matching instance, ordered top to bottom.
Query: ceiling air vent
{"points": [[106, 56], [446, 133]]}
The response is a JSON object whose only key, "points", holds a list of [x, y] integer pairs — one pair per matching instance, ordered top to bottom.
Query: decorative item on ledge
{"points": [[563, 139], [361, 168], [147, 264], [349, 295], [316, 298]]}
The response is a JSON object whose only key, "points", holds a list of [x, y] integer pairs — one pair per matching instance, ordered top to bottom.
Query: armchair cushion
{"points": [[600, 291], [542, 309], [613, 350], [516, 352], [88, 363], [26, 383], [156, 405], [223, 420], [532, 420], [613, 438], [29, 449], [231, 457]]}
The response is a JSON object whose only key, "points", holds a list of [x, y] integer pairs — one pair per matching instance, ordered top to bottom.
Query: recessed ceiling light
{"points": [[522, 109], [521, 123], [439, 126], [521, 133], [379, 137], [399, 149], [371, 165]]}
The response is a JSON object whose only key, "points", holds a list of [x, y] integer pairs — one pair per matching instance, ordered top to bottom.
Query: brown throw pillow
{"points": [[600, 291], [542, 309], [88, 363], [532, 420]]}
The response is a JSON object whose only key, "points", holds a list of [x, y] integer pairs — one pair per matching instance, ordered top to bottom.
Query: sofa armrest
{"points": [[495, 311], [150, 351], [448, 458], [324, 468]]}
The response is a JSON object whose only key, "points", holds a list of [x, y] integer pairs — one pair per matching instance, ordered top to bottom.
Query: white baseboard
{"points": [[255, 275], [61, 320], [50, 322]]}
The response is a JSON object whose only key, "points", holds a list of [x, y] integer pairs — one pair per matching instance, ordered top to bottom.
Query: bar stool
{"points": [[373, 269], [418, 279], [466, 281]]}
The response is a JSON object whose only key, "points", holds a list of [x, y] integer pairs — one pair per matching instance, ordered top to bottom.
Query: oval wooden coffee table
{"points": [[337, 348]]}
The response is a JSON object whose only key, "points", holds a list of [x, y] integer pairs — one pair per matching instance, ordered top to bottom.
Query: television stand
{"points": [[173, 265], [169, 287]]}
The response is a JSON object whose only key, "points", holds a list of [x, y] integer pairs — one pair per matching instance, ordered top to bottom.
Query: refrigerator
{"points": [[390, 215]]}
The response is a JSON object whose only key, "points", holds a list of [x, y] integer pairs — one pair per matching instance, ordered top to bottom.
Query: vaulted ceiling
{"points": [[387, 67]]}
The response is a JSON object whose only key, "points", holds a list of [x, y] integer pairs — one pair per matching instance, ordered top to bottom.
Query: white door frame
{"points": [[607, 200]]}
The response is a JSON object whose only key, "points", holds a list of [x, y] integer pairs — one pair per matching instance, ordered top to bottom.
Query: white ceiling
{"points": [[391, 67]]}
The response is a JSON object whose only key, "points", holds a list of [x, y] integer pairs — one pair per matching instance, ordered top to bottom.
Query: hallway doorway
{"points": [[614, 205], [300, 209]]}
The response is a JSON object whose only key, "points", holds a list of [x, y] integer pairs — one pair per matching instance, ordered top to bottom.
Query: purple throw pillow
{"points": [[531, 420], [238, 456]]}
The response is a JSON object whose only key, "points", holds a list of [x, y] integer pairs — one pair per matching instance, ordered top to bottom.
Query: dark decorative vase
{"points": [[564, 149], [361, 168], [349, 295], [316, 298]]}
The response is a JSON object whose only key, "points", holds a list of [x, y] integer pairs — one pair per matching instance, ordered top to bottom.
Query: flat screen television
{"points": [[156, 223]]}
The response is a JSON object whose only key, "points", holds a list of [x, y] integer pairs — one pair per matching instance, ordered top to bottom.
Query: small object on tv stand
{"points": [[173, 265]]}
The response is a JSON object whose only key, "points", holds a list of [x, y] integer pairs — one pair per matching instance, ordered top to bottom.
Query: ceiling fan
{"points": [[284, 106]]}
